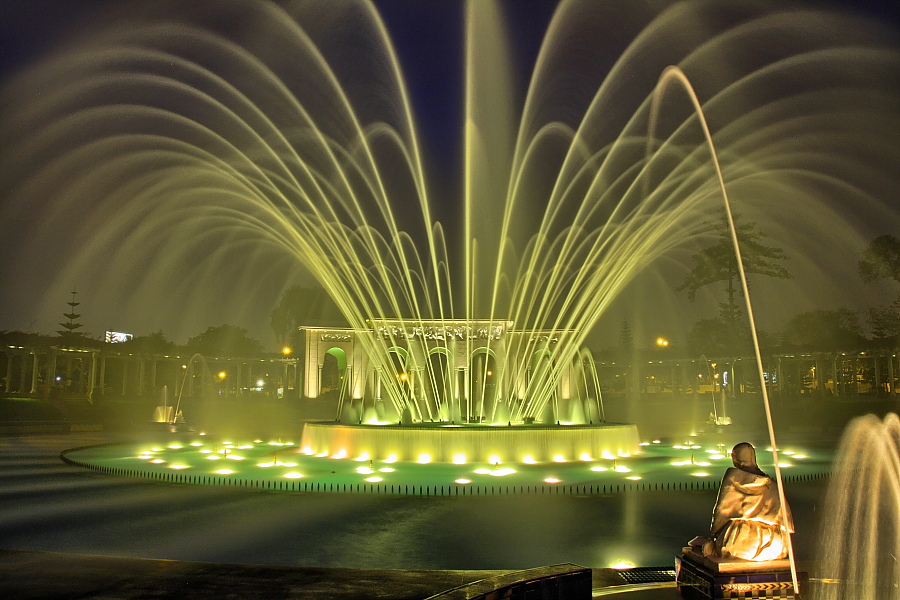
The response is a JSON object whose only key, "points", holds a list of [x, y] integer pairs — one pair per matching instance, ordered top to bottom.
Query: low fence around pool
{"points": [[406, 489]]}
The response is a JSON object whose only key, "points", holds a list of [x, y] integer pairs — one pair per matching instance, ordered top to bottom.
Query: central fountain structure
{"points": [[452, 391]]}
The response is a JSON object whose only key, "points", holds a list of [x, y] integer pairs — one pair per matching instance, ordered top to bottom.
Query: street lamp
{"points": [[662, 342]]}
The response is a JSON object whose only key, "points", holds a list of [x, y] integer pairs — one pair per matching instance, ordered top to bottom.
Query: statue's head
{"points": [[744, 457]]}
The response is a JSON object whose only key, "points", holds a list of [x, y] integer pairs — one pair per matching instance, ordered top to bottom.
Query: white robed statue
{"points": [[747, 520]]}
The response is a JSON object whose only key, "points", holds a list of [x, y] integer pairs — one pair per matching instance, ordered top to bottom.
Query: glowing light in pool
{"points": [[257, 441], [657, 442], [196, 443], [644, 444], [174, 447], [245, 447], [156, 450], [307, 450], [206, 452], [321, 454], [340, 454], [608, 455], [146, 456], [717, 456], [800, 456], [213, 457], [234, 457], [362, 457], [585, 457], [392, 458], [559, 458], [424, 459], [459, 459], [494, 459], [529, 460], [157, 461], [681, 463], [287, 464], [264, 465], [785, 465], [178, 466], [599, 469], [622, 469], [364, 470], [386, 470], [224, 472], [496, 472], [700, 474], [293, 475], [633, 478], [374, 479], [551, 480], [462, 481], [622, 564]]}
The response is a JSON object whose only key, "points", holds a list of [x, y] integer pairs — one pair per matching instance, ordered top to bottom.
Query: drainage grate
{"points": [[648, 574]]}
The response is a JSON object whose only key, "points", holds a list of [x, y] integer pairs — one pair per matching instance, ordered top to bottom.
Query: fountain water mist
{"points": [[206, 143], [861, 526]]}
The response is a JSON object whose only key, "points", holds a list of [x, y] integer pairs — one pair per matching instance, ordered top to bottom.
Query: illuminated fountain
{"points": [[203, 143], [861, 527]]}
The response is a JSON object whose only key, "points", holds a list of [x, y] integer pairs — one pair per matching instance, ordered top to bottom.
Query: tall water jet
{"points": [[860, 538]]}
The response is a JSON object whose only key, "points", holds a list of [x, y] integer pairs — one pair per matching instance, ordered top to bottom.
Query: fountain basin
{"points": [[445, 442]]}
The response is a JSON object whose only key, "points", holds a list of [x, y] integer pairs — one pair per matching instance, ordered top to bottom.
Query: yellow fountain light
{"points": [[201, 433], [257, 441], [657, 442], [196, 443], [644, 444], [174, 447], [245, 447], [156, 450], [306, 450], [206, 452], [788, 452], [342, 453], [322, 454], [608, 455], [146, 456], [717, 456], [799, 456], [213, 457], [234, 457], [363, 457], [585, 457], [392, 458], [424, 458], [559, 458], [459, 459], [494, 459], [529, 460], [157, 461], [681, 463], [288, 464], [702, 464], [265, 465], [785, 465], [178, 466], [599, 469], [622, 469], [365, 470], [386, 470], [224, 472], [700, 474], [293, 475], [633, 478], [374, 479], [552, 480], [462, 481], [622, 564]]}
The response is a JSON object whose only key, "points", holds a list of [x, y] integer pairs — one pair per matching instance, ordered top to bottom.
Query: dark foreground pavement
{"points": [[26, 575]]}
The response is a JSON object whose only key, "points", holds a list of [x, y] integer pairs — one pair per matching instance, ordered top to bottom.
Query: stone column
{"points": [[34, 372]]}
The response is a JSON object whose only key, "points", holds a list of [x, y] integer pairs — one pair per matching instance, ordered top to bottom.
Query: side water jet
{"points": [[674, 74], [860, 538]]}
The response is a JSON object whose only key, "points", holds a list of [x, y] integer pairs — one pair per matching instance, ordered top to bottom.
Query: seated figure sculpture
{"points": [[747, 519]]}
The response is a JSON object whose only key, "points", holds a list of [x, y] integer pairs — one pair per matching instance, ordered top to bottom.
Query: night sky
{"points": [[429, 40]]}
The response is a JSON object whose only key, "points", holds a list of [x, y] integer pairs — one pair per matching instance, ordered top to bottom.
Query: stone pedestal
{"points": [[702, 578]]}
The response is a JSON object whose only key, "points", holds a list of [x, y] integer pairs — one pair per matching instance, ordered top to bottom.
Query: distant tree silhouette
{"points": [[881, 260], [717, 263], [824, 330], [224, 340]]}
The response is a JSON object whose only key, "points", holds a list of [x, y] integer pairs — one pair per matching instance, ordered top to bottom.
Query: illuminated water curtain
{"points": [[300, 144]]}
